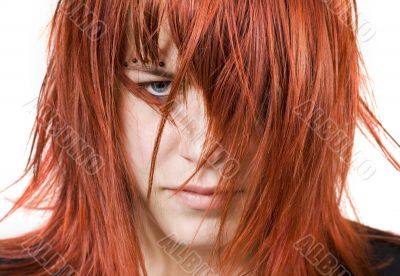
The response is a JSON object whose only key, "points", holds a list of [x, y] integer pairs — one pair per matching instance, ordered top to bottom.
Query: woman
{"points": [[191, 138]]}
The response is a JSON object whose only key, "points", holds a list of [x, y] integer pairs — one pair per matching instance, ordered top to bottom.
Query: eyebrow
{"points": [[155, 71]]}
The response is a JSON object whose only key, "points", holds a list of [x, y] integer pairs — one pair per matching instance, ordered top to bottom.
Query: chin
{"points": [[182, 229]]}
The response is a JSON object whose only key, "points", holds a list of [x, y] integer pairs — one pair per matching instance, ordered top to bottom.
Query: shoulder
{"points": [[385, 250]]}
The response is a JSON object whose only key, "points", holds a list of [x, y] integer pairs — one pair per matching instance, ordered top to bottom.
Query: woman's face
{"points": [[178, 154]]}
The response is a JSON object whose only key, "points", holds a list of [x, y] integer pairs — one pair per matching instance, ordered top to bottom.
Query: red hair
{"points": [[268, 71]]}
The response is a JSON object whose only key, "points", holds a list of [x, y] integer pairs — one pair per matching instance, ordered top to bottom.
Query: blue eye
{"points": [[157, 88]]}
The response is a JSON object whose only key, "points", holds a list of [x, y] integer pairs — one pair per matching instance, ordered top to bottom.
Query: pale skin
{"points": [[177, 158]]}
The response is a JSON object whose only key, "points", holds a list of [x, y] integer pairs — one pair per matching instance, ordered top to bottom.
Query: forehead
{"points": [[167, 50]]}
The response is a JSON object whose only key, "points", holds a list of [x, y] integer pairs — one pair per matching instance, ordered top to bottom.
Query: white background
{"points": [[23, 30]]}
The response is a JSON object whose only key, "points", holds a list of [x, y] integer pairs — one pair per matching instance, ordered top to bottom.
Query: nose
{"points": [[192, 124], [192, 127], [191, 145]]}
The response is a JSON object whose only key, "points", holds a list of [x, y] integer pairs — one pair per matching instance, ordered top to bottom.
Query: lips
{"points": [[199, 189], [198, 197]]}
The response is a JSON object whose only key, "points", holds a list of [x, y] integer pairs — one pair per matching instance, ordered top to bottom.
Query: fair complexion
{"points": [[177, 157]]}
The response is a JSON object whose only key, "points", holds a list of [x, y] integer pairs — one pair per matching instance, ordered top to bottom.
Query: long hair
{"points": [[284, 78]]}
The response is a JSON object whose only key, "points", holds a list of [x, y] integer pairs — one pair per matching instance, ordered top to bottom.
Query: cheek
{"points": [[140, 124]]}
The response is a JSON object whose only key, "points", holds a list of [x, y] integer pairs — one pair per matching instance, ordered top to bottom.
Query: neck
{"points": [[164, 256]]}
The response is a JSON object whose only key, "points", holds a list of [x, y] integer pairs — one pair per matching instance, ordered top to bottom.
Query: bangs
{"points": [[144, 24], [217, 51]]}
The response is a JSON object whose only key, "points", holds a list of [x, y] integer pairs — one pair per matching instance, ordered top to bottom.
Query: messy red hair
{"points": [[268, 71]]}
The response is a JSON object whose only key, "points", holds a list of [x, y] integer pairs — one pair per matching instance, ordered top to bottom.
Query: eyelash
{"points": [[145, 85]]}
